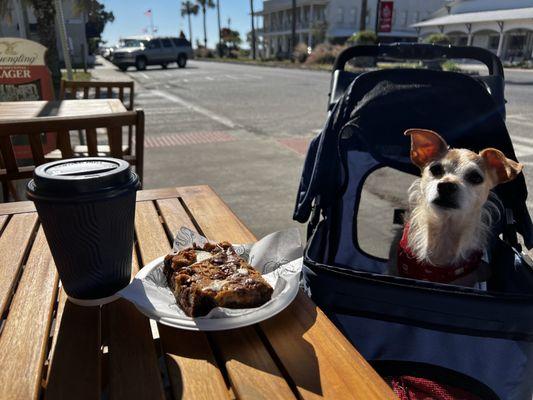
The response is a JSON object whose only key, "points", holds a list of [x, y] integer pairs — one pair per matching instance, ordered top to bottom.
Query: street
{"points": [[244, 129]]}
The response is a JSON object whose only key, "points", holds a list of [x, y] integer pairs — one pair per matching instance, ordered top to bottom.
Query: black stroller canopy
{"points": [[379, 106]]}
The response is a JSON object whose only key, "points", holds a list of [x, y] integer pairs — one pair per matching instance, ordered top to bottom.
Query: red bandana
{"points": [[410, 267]]}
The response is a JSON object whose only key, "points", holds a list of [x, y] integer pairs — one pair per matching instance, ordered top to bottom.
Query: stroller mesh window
{"points": [[384, 191]]}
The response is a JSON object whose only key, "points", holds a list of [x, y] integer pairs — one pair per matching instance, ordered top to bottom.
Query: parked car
{"points": [[142, 51]]}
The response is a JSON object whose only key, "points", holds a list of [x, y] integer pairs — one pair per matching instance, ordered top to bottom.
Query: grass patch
{"points": [[77, 75]]}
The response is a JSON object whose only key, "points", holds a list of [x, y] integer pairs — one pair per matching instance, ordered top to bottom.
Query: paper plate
{"points": [[151, 295]]}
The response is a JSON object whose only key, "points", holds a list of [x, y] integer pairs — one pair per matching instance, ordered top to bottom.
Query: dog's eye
{"points": [[436, 170], [474, 178]]}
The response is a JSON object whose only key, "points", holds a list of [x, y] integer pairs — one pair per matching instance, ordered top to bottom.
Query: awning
{"points": [[482, 16]]}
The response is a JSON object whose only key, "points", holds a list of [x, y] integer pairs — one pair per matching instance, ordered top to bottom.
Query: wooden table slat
{"points": [[15, 110], [215, 218], [3, 220], [14, 243], [25, 334], [76, 345], [190, 361], [133, 365], [251, 370]]}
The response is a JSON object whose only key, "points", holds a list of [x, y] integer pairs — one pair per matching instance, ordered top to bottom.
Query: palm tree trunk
{"points": [[45, 14], [190, 26], [205, 29]]}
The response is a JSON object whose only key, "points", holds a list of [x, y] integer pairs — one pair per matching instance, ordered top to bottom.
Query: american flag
{"points": [[148, 13]]}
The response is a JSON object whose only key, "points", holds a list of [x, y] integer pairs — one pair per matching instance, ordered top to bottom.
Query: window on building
{"points": [[340, 15], [354, 16], [416, 16], [404, 17], [368, 18], [494, 40]]}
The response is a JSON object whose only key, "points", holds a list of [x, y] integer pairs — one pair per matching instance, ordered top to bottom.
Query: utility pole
{"points": [[378, 16], [362, 20], [253, 28], [293, 29], [219, 34], [63, 36]]}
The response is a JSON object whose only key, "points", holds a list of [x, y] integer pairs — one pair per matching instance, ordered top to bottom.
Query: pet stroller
{"points": [[478, 340]]}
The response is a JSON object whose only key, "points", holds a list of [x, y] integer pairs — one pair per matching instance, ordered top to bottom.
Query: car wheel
{"points": [[182, 60], [140, 64], [164, 65], [123, 68]]}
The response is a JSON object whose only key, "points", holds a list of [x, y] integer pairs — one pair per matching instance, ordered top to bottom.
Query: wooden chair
{"points": [[123, 90], [35, 128]]}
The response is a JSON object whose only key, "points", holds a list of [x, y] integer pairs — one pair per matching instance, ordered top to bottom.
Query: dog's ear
{"points": [[426, 146], [502, 168]]}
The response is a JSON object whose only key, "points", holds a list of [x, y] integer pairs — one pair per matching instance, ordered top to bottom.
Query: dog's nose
{"points": [[446, 188]]}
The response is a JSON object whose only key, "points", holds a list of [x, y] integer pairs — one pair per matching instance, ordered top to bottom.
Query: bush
{"points": [[363, 37], [438, 38], [203, 52], [300, 53], [324, 54]]}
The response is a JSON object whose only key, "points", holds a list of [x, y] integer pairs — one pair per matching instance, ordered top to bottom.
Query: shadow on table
{"points": [[277, 352]]}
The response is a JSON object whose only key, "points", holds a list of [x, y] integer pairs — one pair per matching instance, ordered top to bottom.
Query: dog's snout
{"points": [[447, 188]]}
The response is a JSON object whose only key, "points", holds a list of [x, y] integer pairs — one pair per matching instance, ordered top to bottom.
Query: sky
{"points": [[130, 19]]}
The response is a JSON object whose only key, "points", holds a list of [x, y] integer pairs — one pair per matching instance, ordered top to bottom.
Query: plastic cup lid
{"points": [[80, 176]]}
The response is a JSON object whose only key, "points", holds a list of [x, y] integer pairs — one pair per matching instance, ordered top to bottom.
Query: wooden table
{"points": [[13, 110], [54, 349]]}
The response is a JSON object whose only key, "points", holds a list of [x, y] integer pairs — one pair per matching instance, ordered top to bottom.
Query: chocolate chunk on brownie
{"points": [[210, 276]]}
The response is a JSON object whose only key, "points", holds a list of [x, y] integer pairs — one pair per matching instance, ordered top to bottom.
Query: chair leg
{"points": [[13, 190], [5, 191]]}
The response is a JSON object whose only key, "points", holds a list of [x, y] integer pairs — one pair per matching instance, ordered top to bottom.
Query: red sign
{"points": [[385, 16], [24, 76]]}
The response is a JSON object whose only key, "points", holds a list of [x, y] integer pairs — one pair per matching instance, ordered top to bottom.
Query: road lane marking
{"points": [[144, 75], [209, 78], [200, 110], [520, 122], [522, 150]]}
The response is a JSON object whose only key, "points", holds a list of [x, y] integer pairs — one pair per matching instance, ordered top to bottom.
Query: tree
{"points": [[204, 5], [188, 9], [45, 16], [97, 17], [318, 32], [438, 38]]}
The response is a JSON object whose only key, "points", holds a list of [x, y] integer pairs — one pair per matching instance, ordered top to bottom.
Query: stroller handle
{"points": [[419, 51]]}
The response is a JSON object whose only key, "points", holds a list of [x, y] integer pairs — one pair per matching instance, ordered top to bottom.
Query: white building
{"points": [[336, 20], [12, 25], [504, 27]]}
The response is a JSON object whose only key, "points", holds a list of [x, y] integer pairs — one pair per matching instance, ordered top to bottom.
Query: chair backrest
{"points": [[123, 90], [36, 128]]}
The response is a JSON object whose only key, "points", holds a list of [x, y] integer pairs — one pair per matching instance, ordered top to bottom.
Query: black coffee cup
{"points": [[87, 209]]}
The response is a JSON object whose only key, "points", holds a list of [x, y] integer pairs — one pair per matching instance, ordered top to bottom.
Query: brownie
{"points": [[214, 275]]}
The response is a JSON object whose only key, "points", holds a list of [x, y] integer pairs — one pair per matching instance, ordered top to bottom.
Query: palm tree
{"points": [[205, 4], [188, 8], [253, 28]]}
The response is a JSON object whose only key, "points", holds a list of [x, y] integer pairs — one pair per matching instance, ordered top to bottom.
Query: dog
{"points": [[447, 228]]}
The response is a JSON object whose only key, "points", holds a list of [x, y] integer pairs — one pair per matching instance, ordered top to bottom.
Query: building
{"points": [[336, 20], [13, 25], [504, 27]]}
